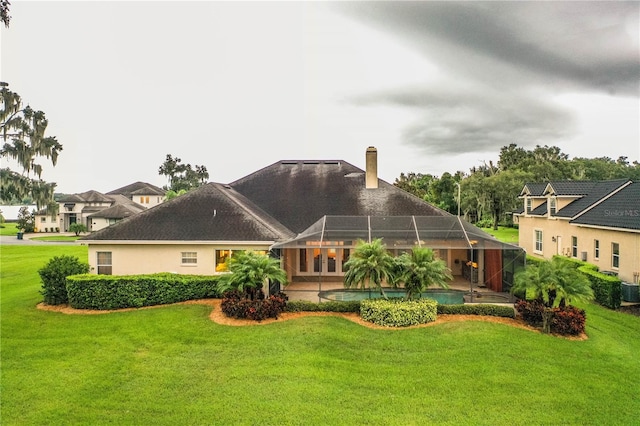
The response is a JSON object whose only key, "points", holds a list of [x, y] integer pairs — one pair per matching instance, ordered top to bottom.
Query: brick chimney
{"points": [[371, 178]]}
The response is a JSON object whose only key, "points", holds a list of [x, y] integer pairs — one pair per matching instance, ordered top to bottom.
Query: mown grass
{"points": [[9, 228], [504, 234], [58, 238], [172, 365]]}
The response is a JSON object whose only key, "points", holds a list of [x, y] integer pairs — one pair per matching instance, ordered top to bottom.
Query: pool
{"points": [[442, 296]]}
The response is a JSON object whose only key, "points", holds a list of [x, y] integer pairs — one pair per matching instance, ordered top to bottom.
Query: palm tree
{"points": [[368, 266], [421, 269], [248, 272], [555, 283]]}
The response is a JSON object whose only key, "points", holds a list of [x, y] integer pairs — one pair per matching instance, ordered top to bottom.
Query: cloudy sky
{"points": [[435, 86]]}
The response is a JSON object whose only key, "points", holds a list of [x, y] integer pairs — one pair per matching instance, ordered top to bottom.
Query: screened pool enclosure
{"points": [[319, 253]]}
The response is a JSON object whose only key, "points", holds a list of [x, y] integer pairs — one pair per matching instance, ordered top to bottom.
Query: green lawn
{"points": [[9, 228], [504, 234], [56, 238], [173, 366]]}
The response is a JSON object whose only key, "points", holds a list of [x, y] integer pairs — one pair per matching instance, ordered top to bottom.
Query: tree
{"points": [[4, 12], [23, 134], [182, 176], [415, 183], [26, 219], [77, 228], [369, 265], [421, 269], [248, 273], [555, 283]]}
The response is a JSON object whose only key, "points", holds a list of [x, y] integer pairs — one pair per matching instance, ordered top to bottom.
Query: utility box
{"points": [[630, 292]]}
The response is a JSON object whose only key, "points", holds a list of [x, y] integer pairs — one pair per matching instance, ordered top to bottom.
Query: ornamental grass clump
{"points": [[398, 312]]}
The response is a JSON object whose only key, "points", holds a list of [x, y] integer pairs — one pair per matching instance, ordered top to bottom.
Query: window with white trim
{"points": [[528, 205], [552, 206], [538, 240], [574, 246], [596, 249], [615, 255], [189, 258], [104, 262]]}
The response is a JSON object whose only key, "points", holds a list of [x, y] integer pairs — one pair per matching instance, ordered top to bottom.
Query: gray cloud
{"points": [[563, 45], [452, 121]]}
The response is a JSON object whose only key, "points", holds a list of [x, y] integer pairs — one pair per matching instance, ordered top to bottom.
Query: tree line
{"points": [[489, 192]]}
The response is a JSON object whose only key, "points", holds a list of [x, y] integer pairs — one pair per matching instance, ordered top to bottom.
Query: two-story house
{"points": [[594, 221]]}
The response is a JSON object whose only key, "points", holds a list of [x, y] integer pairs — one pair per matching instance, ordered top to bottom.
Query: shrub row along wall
{"points": [[607, 289], [90, 291]]}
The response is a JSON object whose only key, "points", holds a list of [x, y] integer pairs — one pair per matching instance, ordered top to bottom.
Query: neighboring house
{"points": [[142, 193], [96, 210], [309, 213], [597, 221]]}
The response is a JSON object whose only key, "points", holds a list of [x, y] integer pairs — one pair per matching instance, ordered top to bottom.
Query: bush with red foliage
{"points": [[237, 305], [530, 311], [568, 320]]}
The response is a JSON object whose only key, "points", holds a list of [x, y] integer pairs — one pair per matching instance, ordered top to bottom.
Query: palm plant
{"points": [[368, 266], [421, 269], [248, 272], [555, 283]]}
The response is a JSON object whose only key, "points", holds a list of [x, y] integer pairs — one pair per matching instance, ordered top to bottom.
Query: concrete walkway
{"points": [[27, 239]]}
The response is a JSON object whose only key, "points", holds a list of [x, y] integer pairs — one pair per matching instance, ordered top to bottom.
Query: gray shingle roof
{"points": [[138, 188], [535, 189], [590, 192], [298, 193], [86, 197], [621, 210], [213, 212]]}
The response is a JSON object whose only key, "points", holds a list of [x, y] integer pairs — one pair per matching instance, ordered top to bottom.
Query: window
{"points": [[146, 200], [528, 205], [552, 206], [43, 219], [538, 241], [574, 246], [596, 249], [615, 255], [189, 257], [222, 257], [345, 257], [104, 262]]}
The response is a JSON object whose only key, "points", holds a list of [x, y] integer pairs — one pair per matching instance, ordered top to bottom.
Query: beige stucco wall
{"points": [[148, 200], [44, 221], [98, 223], [562, 231], [132, 259]]}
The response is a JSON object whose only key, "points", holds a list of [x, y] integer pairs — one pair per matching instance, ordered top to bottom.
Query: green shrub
{"points": [[531, 260], [573, 262], [54, 277], [607, 289], [90, 291], [304, 306], [477, 309], [398, 312]]}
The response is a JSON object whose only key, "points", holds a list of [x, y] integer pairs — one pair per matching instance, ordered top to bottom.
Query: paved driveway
{"points": [[13, 240]]}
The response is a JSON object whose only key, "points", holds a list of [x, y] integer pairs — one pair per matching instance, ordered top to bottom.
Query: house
{"points": [[96, 210], [310, 214], [594, 221]]}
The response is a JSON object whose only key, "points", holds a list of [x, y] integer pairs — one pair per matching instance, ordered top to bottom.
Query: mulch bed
{"points": [[219, 317]]}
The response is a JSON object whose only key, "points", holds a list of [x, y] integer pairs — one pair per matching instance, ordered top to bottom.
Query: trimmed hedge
{"points": [[531, 260], [573, 262], [54, 278], [607, 289], [90, 291], [333, 306], [479, 309], [398, 312]]}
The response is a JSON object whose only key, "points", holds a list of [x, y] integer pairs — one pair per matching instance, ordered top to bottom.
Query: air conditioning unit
{"points": [[583, 256], [630, 292]]}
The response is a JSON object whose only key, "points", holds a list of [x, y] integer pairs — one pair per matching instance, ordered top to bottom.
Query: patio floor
{"points": [[308, 290]]}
